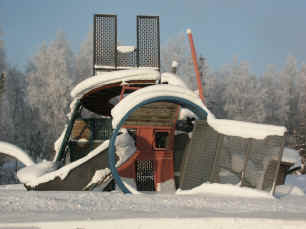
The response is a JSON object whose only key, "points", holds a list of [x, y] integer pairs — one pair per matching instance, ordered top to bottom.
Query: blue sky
{"points": [[260, 32]]}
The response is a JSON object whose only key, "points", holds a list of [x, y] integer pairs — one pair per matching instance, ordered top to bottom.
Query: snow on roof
{"points": [[126, 49], [113, 77], [173, 79], [133, 99], [223, 126], [245, 129], [16, 152]]}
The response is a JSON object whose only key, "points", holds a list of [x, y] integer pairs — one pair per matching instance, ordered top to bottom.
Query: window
{"points": [[161, 139]]}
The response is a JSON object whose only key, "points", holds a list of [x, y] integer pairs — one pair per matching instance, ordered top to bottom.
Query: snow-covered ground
{"points": [[195, 209]]}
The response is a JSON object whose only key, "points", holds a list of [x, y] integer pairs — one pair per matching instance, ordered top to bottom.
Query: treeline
{"points": [[278, 96], [34, 102]]}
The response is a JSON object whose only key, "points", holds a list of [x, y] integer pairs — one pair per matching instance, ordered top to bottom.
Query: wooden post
{"points": [[196, 67]]}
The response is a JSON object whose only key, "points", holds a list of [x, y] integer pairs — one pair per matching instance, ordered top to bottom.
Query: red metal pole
{"points": [[196, 67]]}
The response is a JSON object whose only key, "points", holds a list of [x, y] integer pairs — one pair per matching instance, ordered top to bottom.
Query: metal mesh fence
{"points": [[248, 162], [263, 162], [229, 166]]}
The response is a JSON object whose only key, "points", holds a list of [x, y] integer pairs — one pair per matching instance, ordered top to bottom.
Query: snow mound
{"points": [[31, 172], [225, 190]]}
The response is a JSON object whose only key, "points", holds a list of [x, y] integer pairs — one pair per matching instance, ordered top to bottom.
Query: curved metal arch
{"points": [[199, 111]]}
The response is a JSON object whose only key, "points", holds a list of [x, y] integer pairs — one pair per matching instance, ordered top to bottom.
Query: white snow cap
{"points": [[188, 31], [126, 49], [174, 64], [113, 77], [173, 79], [245, 129], [31, 172]]}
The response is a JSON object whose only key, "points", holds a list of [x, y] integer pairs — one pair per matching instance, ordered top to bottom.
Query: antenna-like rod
{"points": [[196, 67]]}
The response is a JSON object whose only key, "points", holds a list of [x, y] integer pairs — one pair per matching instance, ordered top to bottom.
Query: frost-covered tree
{"points": [[176, 49], [2, 55], [84, 59], [2, 65], [288, 77], [49, 78], [214, 87], [301, 91], [243, 94], [276, 101], [18, 123], [301, 126]]}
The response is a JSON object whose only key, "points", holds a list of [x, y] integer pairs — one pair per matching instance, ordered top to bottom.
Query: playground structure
{"points": [[124, 126]]}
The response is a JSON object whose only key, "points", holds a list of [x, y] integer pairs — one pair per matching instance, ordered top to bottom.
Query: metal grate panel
{"points": [[105, 41], [148, 41], [127, 59], [199, 156], [145, 175]]}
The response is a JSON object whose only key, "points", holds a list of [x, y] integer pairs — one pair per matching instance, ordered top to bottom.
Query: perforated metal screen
{"points": [[105, 40], [148, 41], [106, 55], [127, 59], [145, 175]]}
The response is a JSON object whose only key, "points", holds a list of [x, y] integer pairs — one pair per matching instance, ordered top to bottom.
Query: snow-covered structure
{"points": [[148, 131]]}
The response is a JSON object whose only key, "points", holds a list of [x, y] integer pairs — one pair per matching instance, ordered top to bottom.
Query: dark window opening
{"points": [[161, 140]]}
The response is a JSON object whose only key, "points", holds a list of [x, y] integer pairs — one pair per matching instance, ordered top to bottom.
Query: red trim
{"points": [[196, 67]]}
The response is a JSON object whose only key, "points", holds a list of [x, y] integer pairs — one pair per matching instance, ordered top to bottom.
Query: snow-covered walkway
{"points": [[27, 209]]}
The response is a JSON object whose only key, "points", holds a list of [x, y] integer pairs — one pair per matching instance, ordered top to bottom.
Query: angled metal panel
{"points": [[199, 156]]}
